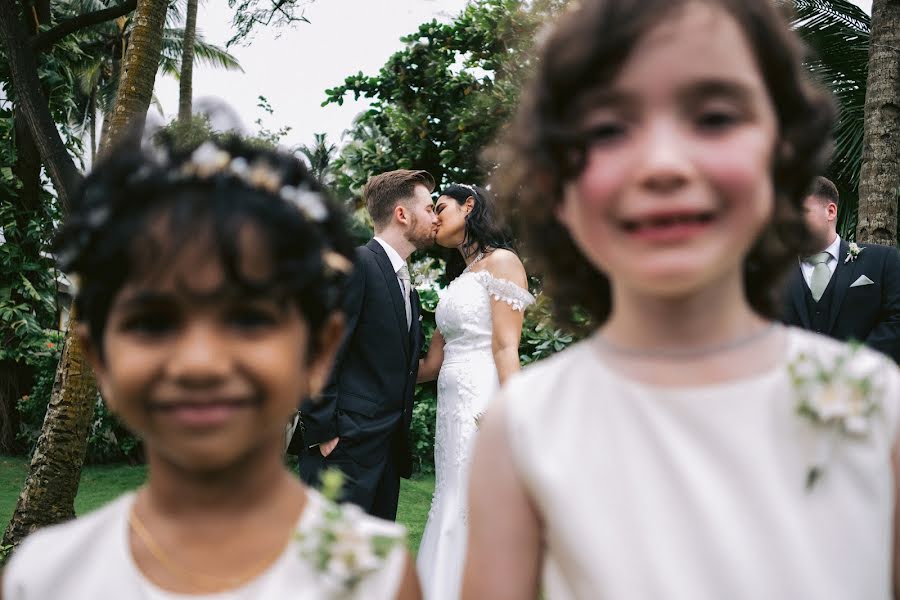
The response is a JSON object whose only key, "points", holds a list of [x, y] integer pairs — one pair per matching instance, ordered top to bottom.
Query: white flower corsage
{"points": [[852, 252], [837, 401], [339, 547]]}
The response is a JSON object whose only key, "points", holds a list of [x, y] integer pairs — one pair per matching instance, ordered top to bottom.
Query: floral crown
{"points": [[209, 160], [204, 163]]}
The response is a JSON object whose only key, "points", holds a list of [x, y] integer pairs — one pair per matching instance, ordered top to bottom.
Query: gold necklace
{"points": [[213, 583]]}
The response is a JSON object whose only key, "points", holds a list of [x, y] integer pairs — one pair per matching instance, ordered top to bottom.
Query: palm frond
{"points": [[838, 12], [838, 33], [204, 53]]}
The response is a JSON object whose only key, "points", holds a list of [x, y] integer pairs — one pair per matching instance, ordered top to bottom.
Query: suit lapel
{"points": [[844, 274], [390, 277], [797, 291]]}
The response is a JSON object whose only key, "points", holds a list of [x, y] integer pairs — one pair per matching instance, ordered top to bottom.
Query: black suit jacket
{"points": [[868, 313], [368, 400]]}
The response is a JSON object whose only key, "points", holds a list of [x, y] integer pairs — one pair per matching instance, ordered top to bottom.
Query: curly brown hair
{"points": [[540, 153]]}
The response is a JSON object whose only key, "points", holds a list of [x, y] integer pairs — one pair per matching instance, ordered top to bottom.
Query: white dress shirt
{"points": [[833, 250], [396, 262]]}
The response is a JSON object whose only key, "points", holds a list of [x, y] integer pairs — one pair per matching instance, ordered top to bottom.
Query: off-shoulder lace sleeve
{"points": [[504, 290]]}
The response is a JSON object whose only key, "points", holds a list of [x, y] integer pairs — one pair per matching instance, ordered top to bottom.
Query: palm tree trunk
{"points": [[138, 74], [185, 86], [31, 103], [879, 179], [49, 492], [48, 495]]}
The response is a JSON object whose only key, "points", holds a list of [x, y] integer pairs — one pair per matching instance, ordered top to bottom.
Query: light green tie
{"points": [[821, 274]]}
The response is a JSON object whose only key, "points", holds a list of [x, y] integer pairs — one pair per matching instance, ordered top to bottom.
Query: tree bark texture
{"points": [[138, 75], [185, 84], [32, 104], [879, 180], [49, 491]]}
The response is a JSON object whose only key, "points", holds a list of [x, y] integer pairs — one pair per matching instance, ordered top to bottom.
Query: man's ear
{"points": [[832, 210], [401, 215], [322, 360]]}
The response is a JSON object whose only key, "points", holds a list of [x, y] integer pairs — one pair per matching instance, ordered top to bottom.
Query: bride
{"points": [[473, 351]]}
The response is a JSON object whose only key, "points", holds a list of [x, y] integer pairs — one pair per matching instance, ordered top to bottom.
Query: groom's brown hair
{"points": [[383, 192]]}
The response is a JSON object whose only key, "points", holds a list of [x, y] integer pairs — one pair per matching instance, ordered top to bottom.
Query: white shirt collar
{"points": [[835, 248], [394, 257]]}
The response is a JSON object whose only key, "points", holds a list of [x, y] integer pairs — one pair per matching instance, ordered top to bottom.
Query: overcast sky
{"points": [[292, 67]]}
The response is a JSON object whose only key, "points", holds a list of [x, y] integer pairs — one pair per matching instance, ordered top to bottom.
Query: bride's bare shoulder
{"points": [[506, 264]]}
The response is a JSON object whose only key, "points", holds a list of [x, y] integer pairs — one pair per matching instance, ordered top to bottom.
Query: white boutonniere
{"points": [[852, 252], [837, 401], [338, 547]]}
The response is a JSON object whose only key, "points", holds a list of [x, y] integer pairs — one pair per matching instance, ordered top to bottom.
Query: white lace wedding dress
{"points": [[466, 384]]}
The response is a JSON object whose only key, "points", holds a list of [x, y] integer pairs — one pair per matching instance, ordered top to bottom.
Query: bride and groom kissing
{"points": [[360, 424]]}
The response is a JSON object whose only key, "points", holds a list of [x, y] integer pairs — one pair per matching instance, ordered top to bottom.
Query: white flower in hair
{"points": [[207, 160], [239, 167], [260, 175], [309, 202], [336, 262]]}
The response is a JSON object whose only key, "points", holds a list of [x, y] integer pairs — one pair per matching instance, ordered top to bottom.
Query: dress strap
{"points": [[504, 290]]}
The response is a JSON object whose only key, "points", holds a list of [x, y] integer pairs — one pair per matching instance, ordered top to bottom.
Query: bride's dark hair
{"points": [[485, 231]]}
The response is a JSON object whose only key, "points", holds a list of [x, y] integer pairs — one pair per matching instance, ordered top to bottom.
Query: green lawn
{"points": [[100, 484]]}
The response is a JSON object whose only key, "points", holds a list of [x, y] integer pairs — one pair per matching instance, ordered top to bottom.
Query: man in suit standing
{"points": [[843, 290], [361, 421]]}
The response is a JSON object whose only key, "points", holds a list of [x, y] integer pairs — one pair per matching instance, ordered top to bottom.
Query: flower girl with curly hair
{"points": [[691, 448]]}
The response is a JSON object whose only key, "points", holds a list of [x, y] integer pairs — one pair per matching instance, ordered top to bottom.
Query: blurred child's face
{"points": [[677, 181], [206, 374]]}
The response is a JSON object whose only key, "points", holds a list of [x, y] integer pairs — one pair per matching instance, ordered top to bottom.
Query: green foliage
{"points": [[248, 15], [838, 32], [204, 53], [439, 101], [265, 135], [186, 136], [319, 157], [27, 277], [33, 405], [424, 415], [421, 429], [108, 440], [4, 553]]}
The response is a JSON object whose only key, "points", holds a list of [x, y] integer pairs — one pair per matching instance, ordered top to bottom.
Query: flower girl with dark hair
{"points": [[208, 288], [691, 448]]}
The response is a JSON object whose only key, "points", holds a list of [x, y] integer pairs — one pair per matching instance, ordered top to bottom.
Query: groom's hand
{"points": [[328, 447]]}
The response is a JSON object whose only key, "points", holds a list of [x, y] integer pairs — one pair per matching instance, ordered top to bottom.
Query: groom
{"points": [[843, 291], [361, 422]]}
